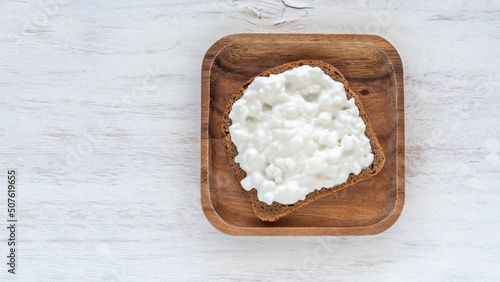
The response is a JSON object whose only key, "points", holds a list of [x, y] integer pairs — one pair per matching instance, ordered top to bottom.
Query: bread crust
{"points": [[276, 210]]}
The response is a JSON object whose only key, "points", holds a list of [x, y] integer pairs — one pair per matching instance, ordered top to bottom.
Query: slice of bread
{"points": [[276, 210]]}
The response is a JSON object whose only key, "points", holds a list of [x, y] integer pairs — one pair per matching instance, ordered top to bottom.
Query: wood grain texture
{"points": [[372, 66], [129, 208]]}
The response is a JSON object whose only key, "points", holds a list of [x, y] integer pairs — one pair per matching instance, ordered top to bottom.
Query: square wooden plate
{"points": [[374, 71]]}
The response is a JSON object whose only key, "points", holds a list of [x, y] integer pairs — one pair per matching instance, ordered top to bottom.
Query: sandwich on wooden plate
{"points": [[296, 133]]}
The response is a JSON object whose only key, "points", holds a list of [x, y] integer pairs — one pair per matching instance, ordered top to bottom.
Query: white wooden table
{"points": [[100, 115]]}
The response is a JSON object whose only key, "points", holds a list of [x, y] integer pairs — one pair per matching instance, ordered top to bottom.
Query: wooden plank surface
{"points": [[372, 66], [100, 114]]}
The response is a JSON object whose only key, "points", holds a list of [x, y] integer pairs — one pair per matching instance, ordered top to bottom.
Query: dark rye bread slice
{"points": [[276, 210]]}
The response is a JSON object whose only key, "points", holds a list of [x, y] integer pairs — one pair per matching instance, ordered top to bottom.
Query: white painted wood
{"points": [[100, 114]]}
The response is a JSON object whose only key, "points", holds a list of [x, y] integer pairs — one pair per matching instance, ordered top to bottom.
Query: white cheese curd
{"points": [[296, 132]]}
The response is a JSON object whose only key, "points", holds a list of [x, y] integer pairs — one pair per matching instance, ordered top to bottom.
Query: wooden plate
{"points": [[375, 72]]}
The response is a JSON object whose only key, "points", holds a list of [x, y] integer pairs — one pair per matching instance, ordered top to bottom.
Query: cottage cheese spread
{"points": [[297, 132]]}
